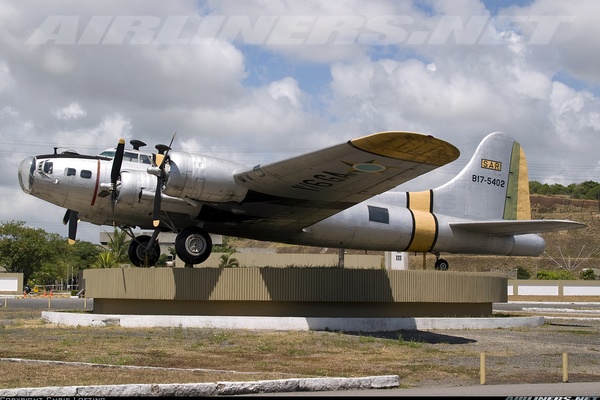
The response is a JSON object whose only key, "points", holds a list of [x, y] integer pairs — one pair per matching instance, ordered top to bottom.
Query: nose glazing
{"points": [[26, 169]]}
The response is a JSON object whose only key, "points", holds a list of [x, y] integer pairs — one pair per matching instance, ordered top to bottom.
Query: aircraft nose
{"points": [[26, 174]]}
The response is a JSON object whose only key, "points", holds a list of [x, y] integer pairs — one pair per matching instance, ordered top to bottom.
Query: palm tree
{"points": [[118, 244], [106, 259], [228, 262]]}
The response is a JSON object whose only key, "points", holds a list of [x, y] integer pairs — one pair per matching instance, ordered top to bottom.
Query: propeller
{"points": [[160, 160], [115, 172], [71, 217]]}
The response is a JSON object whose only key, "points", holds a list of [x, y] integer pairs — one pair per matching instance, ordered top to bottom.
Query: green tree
{"points": [[534, 187], [557, 189], [24, 249], [84, 254]]}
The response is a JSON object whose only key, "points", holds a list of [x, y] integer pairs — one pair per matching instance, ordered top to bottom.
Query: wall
{"points": [[296, 260], [11, 283], [553, 288], [293, 292]]}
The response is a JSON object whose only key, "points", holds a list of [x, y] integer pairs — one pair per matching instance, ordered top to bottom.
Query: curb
{"points": [[287, 323], [211, 389]]}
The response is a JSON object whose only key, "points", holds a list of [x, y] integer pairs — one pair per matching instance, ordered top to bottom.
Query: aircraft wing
{"points": [[303, 190], [516, 227]]}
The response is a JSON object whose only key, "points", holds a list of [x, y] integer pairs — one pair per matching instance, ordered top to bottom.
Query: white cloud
{"points": [[574, 46], [57, 62], [7, 82], [285, 90], [72, 111], [574, 111], [8, 112]]}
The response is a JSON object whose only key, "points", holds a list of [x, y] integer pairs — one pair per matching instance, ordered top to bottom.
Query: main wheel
{"points": [[193, 245], [140, 255], [441, 264]]}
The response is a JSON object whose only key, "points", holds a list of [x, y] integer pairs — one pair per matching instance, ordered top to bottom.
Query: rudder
{"points": [[518, 204]]}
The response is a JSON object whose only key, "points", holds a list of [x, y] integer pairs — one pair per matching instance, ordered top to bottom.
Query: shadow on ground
{"points": [[416, 336]]}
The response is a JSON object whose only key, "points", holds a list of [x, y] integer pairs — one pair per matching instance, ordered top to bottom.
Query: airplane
{"points": [[339, 197]]}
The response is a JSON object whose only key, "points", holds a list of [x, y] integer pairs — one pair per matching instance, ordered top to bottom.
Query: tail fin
{"points": [[494, 185]]}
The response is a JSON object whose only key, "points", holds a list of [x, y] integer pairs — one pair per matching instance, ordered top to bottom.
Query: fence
{"points": [[553, 288]]}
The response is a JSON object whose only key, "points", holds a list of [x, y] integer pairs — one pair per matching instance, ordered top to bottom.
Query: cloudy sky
{"points": [[257, 81]]}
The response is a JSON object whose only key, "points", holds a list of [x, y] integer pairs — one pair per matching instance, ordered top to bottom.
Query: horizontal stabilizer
{"points": [[516, 227]]}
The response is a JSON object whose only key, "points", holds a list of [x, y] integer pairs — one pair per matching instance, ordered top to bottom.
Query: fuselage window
{"points": [[48, 166], [70, 172], [85, 174], [379, 214]]}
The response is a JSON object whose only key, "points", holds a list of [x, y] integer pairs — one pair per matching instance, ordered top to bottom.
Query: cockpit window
{"points": [[108, 153], [127, 156]]}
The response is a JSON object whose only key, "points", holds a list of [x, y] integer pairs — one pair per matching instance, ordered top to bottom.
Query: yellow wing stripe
{"points": [[408, 146], [425, 228]]}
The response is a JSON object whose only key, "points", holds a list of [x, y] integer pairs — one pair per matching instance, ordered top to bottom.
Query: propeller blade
{"points": [[173, 138], [117, 162], [115, 172], [157, 200], [66, 217], [71, 217], [73, 220]]}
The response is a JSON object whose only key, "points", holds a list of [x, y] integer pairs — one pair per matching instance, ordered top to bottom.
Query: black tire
{"points": [[193, 245], [137, 251], [441, 265]]}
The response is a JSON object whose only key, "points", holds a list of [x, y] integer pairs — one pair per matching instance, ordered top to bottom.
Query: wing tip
{"points": [[410, 146]]}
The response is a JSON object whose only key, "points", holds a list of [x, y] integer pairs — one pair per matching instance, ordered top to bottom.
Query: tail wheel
{"points": [[193, 245], [140, 255], [441, 264]]}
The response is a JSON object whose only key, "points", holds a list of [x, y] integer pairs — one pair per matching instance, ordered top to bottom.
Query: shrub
{"points": [[227, 261], [522, 273], [588, 274], [555, 275]]}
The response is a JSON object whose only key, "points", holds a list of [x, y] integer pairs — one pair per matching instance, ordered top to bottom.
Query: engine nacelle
{"points": [[203, 178], [133, 183]]}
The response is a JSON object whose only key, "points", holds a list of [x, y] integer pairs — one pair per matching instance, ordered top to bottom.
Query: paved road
{"points": [[47, 303], [524, 306]]}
